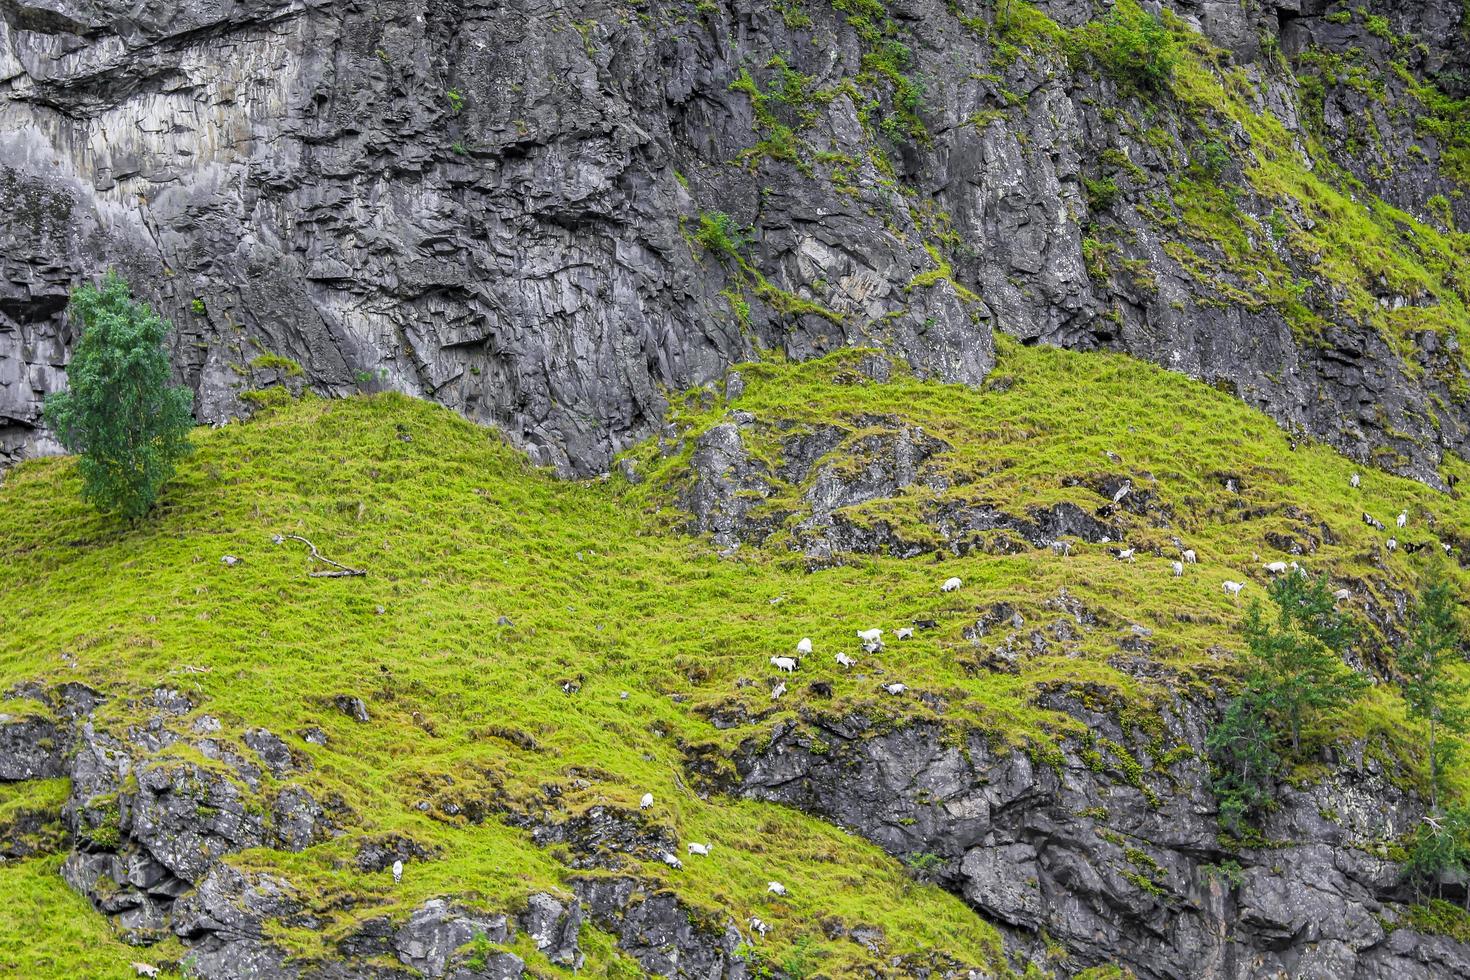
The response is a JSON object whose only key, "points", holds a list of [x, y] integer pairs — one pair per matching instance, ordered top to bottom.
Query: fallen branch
{"points": [[344, 572]]}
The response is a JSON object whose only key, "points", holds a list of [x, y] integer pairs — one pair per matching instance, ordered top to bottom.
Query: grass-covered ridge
{"points": [[457, 530]]}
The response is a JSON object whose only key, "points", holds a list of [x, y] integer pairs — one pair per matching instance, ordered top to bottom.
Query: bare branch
{"points": [[343, 570]]}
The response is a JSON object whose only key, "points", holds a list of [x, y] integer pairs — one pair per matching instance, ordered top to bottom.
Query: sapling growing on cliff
{"points": [[118, 411], [1294, 675], [1432, 691]]}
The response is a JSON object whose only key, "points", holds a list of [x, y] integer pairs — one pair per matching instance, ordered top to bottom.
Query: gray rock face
{"points": [[498, 206], [736, 498], [30, 748], [150, 828], [1118, 867], [662, 935]]}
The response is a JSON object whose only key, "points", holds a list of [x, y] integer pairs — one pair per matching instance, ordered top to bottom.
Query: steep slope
{"points": [[547, 215], [238, 752]]}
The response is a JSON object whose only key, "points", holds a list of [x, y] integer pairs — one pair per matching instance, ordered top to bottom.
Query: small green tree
{"points": [[118, 411], [1295, 666], [1294, 673], [1432, 692], [1247, 763]]}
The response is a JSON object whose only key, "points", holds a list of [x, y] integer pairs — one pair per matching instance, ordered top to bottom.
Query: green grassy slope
{"points": [[457, 530]]}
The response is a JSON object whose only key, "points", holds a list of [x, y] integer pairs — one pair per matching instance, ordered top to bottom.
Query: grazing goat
{"points": [[1354, 480], [1189, 556], [1178, 569], [951, 585], [904, 633], [805, 646], [845, 660], [784, 663], [896, 687], [646, 802], [701, 849], [673, 861], [397, 872], [776, 888]]}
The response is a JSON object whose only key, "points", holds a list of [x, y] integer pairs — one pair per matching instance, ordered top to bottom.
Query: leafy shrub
{"points": [[1131, 45], [1211, 157], [719, 234], [118, 411], [1440, 849]]}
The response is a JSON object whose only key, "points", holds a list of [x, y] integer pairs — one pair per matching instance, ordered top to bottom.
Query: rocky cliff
{"points": [[548, 216], [570, 222]]}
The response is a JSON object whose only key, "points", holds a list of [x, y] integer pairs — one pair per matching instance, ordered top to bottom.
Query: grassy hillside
{"points": [[604, 596]]}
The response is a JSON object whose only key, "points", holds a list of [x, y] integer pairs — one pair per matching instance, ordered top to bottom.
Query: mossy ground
{"points": [[456, 530]]}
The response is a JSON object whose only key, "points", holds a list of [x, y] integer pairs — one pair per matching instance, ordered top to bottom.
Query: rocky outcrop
{"points": [[547, 216], [748, 478], [30, 748], [150, 823], [1114, 851], [664, 937]]}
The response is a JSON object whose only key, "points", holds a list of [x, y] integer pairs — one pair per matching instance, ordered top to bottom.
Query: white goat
{"points": [[1355, 480], [1123, 491], [1403, 518], [1392, 543], [1125, 554], [1189, 556], [1276, 567], [1178, 569], [951, 584], [1233, 588], [1341, 594], [904, 633], [870, 636], [805, 646], [845, 660], [784, 663], [897, 687], [777, 691], [646, 802], [701, 849], [673, 861], [397, 872], [776, 888], [758, 927]]}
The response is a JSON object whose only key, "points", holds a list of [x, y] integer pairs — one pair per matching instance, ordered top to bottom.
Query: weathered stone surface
{"points": [[293, 177], [30, 747], [149, 828], [1119, 868], [554, 926], [657, 931]]}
